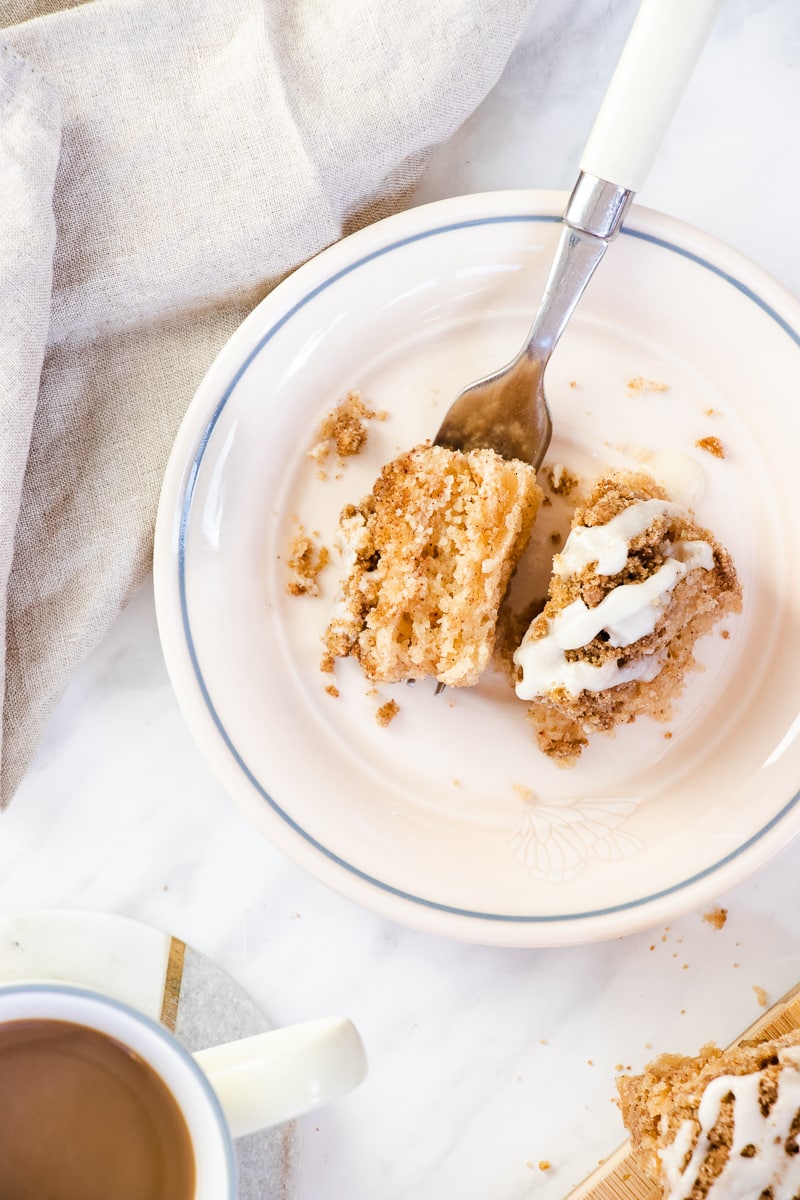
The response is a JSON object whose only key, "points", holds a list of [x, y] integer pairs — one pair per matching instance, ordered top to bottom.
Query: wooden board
{"points": [[618, 1177]]}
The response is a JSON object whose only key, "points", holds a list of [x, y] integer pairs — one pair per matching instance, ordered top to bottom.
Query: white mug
{"points": [[223, 1092]]}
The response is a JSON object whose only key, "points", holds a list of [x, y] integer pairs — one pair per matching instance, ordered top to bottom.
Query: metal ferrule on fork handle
{"points": [[597, 207]]}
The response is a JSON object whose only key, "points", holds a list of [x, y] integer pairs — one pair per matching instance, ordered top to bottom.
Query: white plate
{"points": [[449, 819]]}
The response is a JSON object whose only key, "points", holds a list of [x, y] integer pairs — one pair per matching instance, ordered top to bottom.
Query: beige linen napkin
{"points": [[165, 164]]}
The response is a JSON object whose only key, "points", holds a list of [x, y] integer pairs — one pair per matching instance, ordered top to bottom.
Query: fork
{"points": [[507, 411]]}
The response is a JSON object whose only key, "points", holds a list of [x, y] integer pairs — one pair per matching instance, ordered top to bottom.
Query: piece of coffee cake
{"points": [[428, 556], [637, 582], [721, 1124]]}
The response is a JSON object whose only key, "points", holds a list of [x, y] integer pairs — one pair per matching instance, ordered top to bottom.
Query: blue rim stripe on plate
{"points": [[510, 918]]}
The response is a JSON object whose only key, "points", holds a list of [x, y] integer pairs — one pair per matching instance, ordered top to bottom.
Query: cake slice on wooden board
{"points": [[723, 1124], [620, 1175]]}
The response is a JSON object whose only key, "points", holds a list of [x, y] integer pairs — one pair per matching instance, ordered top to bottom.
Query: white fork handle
{"points": [[655, 65]]}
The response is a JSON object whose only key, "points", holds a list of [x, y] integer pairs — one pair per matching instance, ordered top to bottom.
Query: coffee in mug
{"points": [[99, 1102], [83, 1116]]}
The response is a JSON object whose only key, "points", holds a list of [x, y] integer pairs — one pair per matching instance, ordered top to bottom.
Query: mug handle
{"points": [[274, 1076]]}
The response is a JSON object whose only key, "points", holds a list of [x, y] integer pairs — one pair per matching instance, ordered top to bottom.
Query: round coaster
{"points": [[163, 977]]}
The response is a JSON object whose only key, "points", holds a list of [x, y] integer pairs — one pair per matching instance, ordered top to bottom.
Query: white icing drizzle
{"points": [[608, 545], [627, 613], [742, 1178]]}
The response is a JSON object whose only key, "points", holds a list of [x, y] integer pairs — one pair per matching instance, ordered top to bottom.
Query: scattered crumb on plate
{"points": [[640, 384], [344, 428], [712, 445], [560, 480], [306, 560], [387, 712], [716, 917], [761, 995], [544, 1164]]}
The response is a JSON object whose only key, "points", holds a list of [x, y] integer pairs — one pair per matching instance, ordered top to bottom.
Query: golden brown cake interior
{"points": [[428, 555]]}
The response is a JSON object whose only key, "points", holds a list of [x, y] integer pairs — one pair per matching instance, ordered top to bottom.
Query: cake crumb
{"points": [[573, 383], [640, 384], [345, 428], [712, 445], [560, 480], [556, 538], [306, 560], [725, 633], [332, 690], [387, 712], [524, 792], [716, 917], [761, 995], [544, 1164]]}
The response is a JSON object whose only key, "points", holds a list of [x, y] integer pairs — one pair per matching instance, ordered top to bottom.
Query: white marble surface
{"points": [[483, 1061]]}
